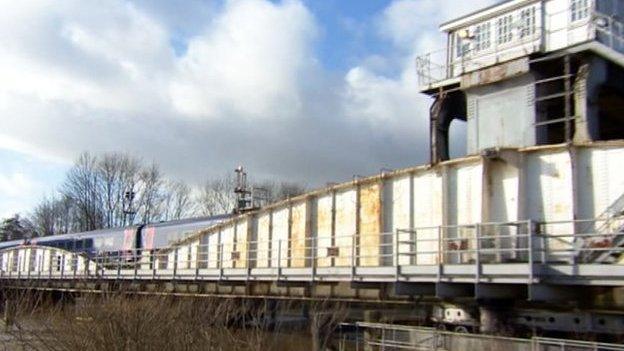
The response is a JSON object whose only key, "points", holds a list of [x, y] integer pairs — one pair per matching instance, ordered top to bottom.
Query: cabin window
{"points": [[579, 9], [527, 22], [503, 29], [482, 36], [461, 46]]}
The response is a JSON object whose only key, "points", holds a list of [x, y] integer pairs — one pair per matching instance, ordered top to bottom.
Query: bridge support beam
{"points": [[414, 289], [453, 290], [499, 291], [552, 293], [491, 319]]}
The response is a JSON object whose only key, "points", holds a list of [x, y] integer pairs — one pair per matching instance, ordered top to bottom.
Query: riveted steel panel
{"points": [[600, 178], [503, 179], [503, 182], [465, 190], [549, 196], [464, 207], [401, 213], [428, 215], [370, 225], [345, 226], [324, 229], [264, 236], [299, 236], [227, 241], [241, 244], [279, 244], [194, 247], [212, 249]]}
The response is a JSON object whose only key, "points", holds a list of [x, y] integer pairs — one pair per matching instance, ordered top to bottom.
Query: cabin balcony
{"points": [[475, 43]]}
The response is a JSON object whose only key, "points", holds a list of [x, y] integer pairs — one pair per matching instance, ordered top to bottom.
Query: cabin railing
{"points": [[450, 63]]}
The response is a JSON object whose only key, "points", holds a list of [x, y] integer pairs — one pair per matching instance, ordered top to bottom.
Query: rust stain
{"points": [[495, 74], [370, 225], [345, 226], [298, 236], [227, 239], [262, 248], [240, 261]]}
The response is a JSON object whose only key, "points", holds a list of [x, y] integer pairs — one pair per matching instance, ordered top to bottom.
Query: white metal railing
{"points": [[609, 31], [446, 63], [442, 64], [527, 242], [403, 337]]}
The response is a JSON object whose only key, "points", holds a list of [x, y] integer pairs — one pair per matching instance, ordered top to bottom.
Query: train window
{"points": [[458, 313], [528, 318], [551, 319], [577, 320], [601, 321]]}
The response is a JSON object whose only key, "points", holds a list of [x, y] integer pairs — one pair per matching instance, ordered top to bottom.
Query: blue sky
{"points": [[311, 91]]}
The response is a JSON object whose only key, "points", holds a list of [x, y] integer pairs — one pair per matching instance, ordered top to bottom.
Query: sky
{"points": [[310, 91]]}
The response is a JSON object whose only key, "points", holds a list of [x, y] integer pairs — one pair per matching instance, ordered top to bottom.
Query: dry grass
{"points": [[124, 323]]}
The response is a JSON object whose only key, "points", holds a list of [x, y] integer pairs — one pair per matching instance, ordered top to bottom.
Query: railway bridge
{"points": [[531, 222], [474, 267]]}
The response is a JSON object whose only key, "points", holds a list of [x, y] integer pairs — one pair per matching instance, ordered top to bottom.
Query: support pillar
{"points": [[9, 314], [370, 316], [491, 320]]}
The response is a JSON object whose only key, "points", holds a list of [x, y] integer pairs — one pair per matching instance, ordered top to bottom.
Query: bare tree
{"points": [[118, 175], [81, 185], [277, 191], [93, 196], [217, 196], [150, 198], [177, 201], [65, 212], [44, 217], [15, 227]]}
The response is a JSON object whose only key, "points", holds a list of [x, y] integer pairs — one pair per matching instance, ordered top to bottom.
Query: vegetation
{"points": [[115, 189], [14, 228], [124, 322]]}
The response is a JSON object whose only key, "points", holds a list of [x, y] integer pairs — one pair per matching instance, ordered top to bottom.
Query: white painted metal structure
{"points": [[518, 28], [531, 215], [506, 219], [37, 262]]}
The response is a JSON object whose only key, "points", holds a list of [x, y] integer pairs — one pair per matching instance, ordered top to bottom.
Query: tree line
{"points": [[116, 189]]}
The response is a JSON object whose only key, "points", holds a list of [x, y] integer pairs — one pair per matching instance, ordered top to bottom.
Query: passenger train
{"points": [[126, 239]]}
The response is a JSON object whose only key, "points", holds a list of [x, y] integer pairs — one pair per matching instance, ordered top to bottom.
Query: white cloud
{"points": [[412, 24], [109, 56], [248, 62], [246, 87], [392, 101], [12, 185], [18, 192]]}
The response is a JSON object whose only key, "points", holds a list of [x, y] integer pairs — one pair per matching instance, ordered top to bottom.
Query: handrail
{"points": [[476, 244]]}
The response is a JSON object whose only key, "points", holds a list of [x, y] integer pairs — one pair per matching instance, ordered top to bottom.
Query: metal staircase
{"points": [[606, 242]]}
